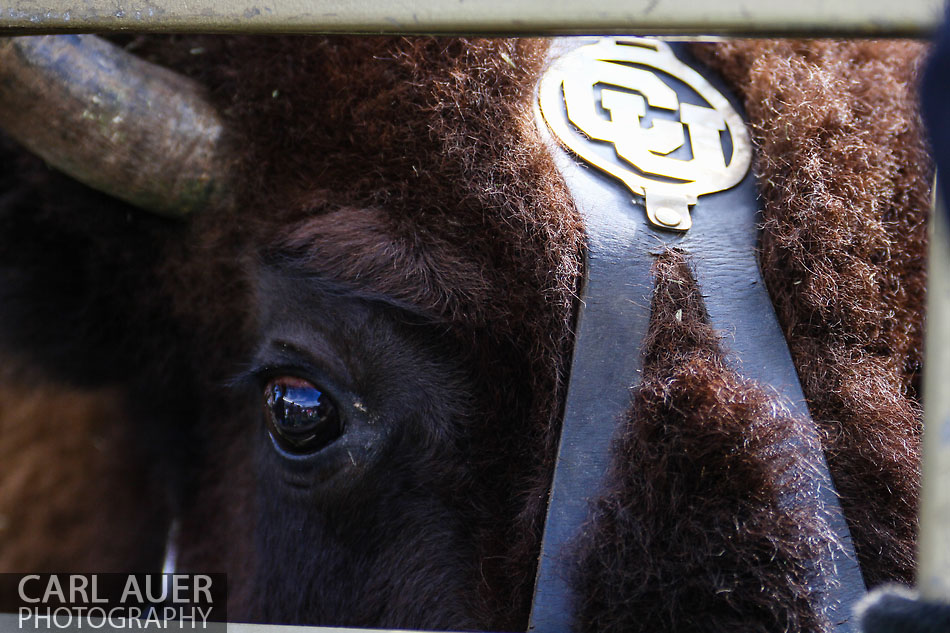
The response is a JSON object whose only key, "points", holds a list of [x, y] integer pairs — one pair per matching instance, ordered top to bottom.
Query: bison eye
{"points": [[300, 417]]}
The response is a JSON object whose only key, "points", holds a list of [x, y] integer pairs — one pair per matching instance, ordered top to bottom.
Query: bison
{"points": [[340, 376]]}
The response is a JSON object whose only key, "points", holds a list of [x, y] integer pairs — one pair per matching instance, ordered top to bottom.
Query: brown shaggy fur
{"points": [[845, 177], [688, 535]]}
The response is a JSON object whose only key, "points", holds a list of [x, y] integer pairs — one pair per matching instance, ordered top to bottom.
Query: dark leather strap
{"points": [[612, 322]]}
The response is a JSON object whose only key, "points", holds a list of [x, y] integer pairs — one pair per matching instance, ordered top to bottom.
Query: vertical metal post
{"points": [[933, 559]]}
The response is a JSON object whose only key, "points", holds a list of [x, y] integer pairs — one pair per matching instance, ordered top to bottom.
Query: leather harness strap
{"points": [[613, 317]]}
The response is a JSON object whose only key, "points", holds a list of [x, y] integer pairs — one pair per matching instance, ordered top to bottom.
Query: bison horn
{"points": [[113, 121]]}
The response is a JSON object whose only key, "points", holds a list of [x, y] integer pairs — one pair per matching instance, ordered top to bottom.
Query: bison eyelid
{"points": [[317, 362]]}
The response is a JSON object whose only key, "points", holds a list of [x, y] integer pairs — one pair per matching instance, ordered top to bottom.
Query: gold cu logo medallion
{"points": [[605, 88]]}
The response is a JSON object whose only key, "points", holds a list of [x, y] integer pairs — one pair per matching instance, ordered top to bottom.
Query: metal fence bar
{"points": [[913, 18], [933, 560]]}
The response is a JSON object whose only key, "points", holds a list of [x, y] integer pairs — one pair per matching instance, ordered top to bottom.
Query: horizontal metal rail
{"points": [[910, 18]]}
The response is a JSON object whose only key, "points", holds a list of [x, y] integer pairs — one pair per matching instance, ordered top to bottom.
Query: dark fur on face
{"points": [[383, 537]]}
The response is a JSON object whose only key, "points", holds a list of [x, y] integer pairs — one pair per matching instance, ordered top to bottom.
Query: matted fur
{"points": [[845, 178]]}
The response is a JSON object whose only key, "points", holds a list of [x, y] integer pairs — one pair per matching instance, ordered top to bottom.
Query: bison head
{"points": [[346, 368], [341, 375]]}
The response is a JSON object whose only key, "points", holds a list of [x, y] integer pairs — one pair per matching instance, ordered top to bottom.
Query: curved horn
{"points": [[115, 122]]}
